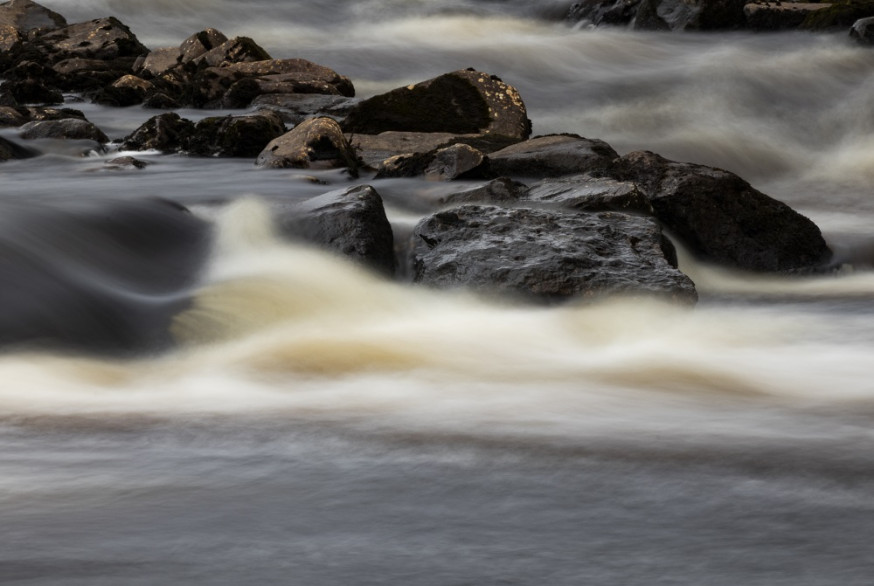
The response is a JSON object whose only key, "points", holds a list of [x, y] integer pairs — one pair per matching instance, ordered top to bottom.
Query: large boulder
{"points": [[690, 15], [19, 17], [104, 39], [461, 102], [315, 143], [552, 156], [721, 218], [350, 222], [546, 255]]}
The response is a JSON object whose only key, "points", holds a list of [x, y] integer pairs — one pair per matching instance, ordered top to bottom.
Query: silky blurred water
{"points": [[316, 424]]}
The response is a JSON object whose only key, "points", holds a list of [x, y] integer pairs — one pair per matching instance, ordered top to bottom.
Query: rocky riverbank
{"points": [[554, 218]]}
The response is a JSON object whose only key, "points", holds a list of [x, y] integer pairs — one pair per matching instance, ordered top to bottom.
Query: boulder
{"points": [[603, 12], [690, 15], [24, 16], [773, 16], [862, 31], [104, 39], [200, 43], [236, 50], [164, 59], [159, 61], [32, 91], [125, 91], [461, 102], [15, 116], [68, 129], [168, 133], [234, 136], [315, 143], [374, 149], [10, 150], [552, 156], [458, 161], [587, 193], [722, 219], [350, 222], [546, 255]]}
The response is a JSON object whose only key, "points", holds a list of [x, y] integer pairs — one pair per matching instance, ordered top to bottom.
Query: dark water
{"points": [[316, 425]]}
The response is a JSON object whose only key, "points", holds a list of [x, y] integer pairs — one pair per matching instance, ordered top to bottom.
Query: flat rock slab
{"points": [[552, 156], [587, 193], [546, 255]]}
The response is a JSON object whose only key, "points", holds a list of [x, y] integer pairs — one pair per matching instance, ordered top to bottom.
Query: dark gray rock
{"points": [[777, 15], [25, 16], [862, 31], [104, 39], [236, 50], [32, 91], [461, 102], [295, 108], [68, 129], [168, 133], [234, 136], [315, 143], [11, 150], [552, 156], [458, 161], [126, 163], [502, 190], [587, 193], [721, 218], [350, 222], [546, 255]]}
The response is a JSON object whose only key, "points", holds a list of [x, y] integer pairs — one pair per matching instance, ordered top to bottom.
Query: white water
{"points": [[318, 425]]}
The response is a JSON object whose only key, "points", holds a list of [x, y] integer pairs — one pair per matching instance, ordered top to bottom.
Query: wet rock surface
{"points": [[316, 143], [552, 156], [350, 222], [546, 255]]}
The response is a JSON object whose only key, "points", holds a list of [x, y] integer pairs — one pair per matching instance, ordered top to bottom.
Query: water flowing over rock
{"points": [[862, 31], [461, 102], [318, 142], [11, 150], [552, 156], [722, 218], [350, 222], [546, 255]]}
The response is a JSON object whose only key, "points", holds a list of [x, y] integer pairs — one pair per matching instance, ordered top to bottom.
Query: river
{"points": [[317, 425]]}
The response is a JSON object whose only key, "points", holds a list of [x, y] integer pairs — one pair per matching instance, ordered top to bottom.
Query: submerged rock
{"points": [[862, 31], [11, 150], [722, 218], [350, 222], [546, 255]]}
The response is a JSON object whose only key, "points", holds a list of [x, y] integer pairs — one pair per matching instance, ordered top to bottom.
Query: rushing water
{"points": [[318, 425]]}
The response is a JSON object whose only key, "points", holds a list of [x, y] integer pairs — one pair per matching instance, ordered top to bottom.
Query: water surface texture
{"points": [[315, 424]]}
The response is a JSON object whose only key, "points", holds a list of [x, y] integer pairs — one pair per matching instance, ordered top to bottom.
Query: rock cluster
{"points": [[554, 217]]}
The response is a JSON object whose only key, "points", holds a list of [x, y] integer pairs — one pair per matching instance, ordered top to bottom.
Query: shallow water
{"points": [[318, 425]]}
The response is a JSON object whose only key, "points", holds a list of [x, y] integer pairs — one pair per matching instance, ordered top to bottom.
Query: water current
{"points": [[315, 424]]}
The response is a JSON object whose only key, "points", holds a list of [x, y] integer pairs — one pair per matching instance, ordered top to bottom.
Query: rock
{"points": [[603, 12], [690, 15], [838, 15], [25, 16], [773, 16], [862, 31], [104, 39], [200, 43], [236, 50], [159, 61], [128, 90], [31, 91], [461, 102], [295, 108], [20, 115], [13, 117], [69, 129], [167, 133], [234, 136], [315, 143], [374, 149], [10, 150], [552, 156], [458, 161], [126, 162], [502, 190], [587, 193], [722, 219], [351, 222], [546, 255], [141, 257]]}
